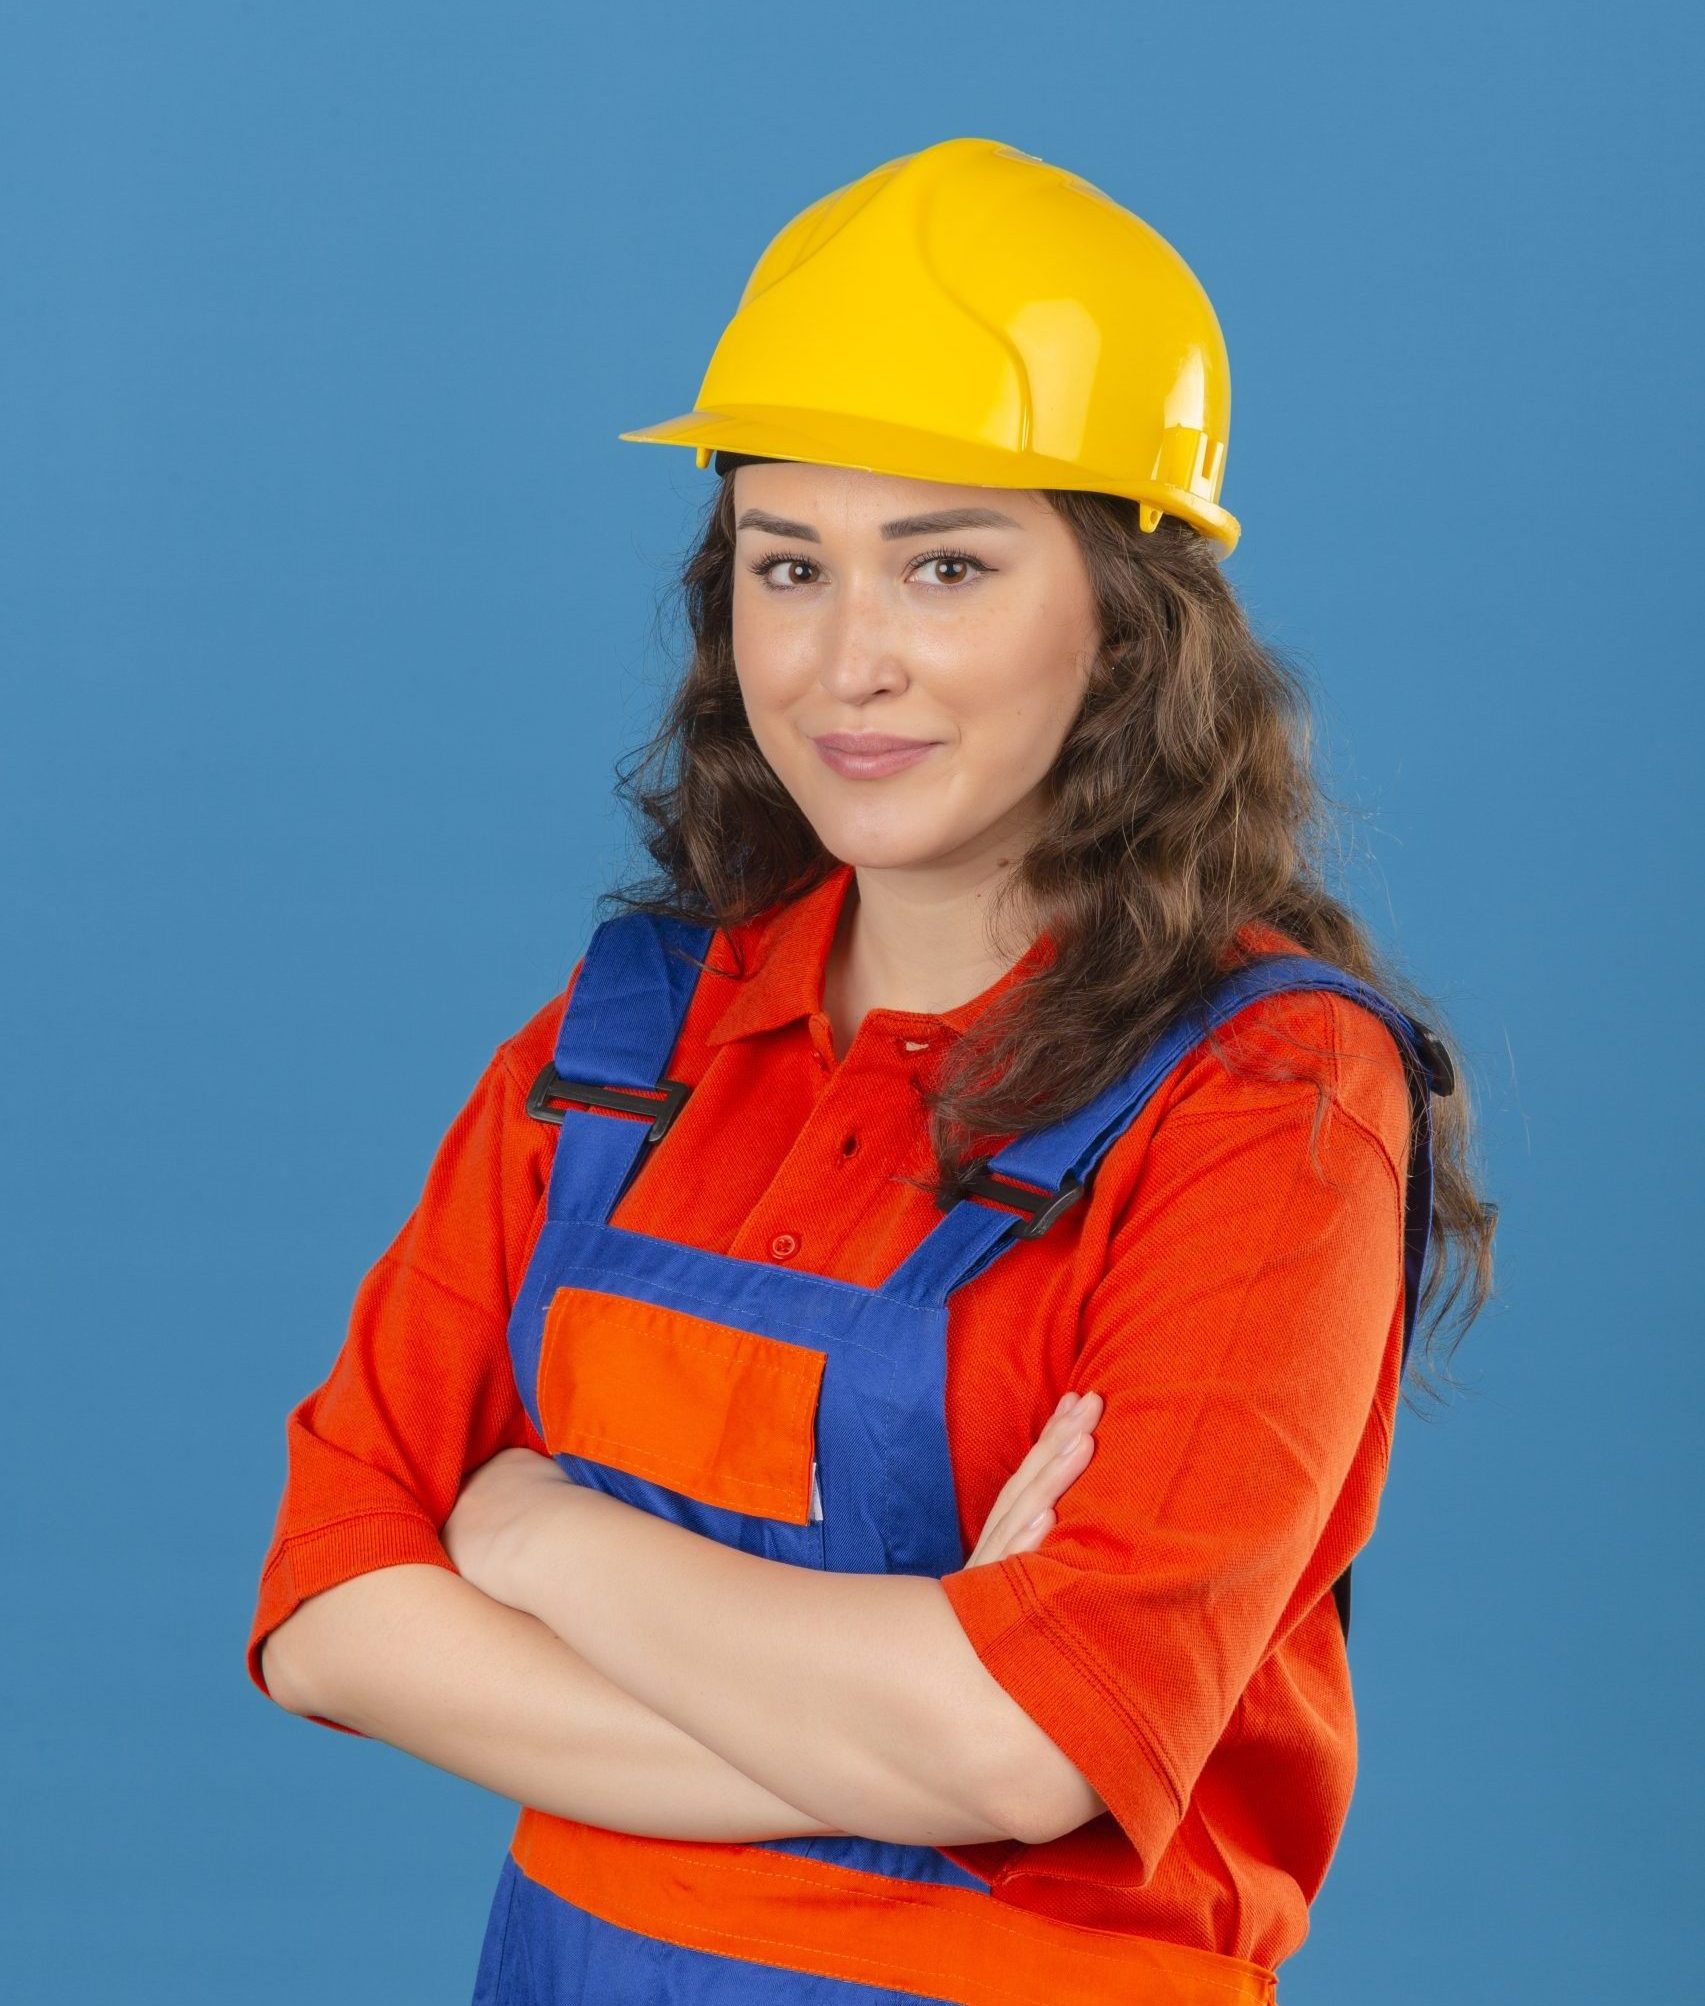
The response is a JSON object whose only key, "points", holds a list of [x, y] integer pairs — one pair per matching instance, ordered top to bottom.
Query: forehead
{"points": [[854, 497]]}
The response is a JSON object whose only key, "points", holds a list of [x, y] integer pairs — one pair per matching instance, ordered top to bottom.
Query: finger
{"points": [[1062, 1425], [1055, 1430], [1062, 1439], [1042, 1473], [1054, 1478], [1040, 1494], [1019, 1498]]}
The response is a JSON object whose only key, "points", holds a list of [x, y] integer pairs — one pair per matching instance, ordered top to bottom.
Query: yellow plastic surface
{"points": [[969, 313]]}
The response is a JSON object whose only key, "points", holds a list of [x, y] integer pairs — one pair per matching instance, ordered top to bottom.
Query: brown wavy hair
{"points": [[1182, 807]]}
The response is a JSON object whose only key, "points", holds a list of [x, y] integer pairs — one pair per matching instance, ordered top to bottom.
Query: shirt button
{"points": [[784, 1246]]}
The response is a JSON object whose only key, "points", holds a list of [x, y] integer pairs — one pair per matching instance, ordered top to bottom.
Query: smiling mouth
{"points": [[871, 759]]}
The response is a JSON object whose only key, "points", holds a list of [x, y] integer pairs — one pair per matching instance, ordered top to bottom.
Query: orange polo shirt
{"points": [[1233, 1293]]}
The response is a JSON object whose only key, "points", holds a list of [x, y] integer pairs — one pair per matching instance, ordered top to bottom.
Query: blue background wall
{"points": [[328, 600]]}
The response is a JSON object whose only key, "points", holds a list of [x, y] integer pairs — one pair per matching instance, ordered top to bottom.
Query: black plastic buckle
{"points": [[1441, 1074], [551, 1086], [1041, 1207], [1341, 1595]]}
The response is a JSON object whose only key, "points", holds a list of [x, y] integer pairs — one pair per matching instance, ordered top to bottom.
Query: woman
{"points": [[763, 1244]]}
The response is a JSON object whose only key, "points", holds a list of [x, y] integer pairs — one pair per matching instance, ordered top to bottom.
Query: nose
{"points": [[862, 641]]}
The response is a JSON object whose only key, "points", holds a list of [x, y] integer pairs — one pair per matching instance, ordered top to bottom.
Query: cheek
{"points": [[744, 624], [770, 656], [1028, 682], [762, 691], [1013, 749]]}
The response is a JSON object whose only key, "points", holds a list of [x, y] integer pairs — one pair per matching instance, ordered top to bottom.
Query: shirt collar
{"points": [[787, 949], [788, 952]]}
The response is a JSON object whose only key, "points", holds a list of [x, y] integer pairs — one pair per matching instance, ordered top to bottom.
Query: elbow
{"points": [[280, 1671], [1031, 1789], [1047, 1796]]}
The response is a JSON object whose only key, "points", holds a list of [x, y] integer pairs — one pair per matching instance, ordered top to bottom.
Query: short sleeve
{"points": [[1244, 1335], [422, 1391]]}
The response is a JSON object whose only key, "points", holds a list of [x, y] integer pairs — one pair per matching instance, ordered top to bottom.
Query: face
{"points": [[870, 609]]}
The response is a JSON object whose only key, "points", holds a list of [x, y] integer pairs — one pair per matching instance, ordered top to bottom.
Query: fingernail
{"points": [[1067, 1402], [1041, 1519]]}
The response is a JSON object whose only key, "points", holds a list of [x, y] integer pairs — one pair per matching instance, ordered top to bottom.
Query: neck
{"points": [[918, 941]]}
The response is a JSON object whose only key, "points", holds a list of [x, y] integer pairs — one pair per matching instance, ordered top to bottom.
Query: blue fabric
{"points": [[888, 1499], [542, 1951]]}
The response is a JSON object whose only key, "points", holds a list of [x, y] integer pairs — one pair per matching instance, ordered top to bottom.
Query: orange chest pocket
{"points": [[723, 1415]]}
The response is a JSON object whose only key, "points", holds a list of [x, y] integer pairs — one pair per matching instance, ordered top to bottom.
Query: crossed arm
{"points": [[418, 1657], [595, 1661]]}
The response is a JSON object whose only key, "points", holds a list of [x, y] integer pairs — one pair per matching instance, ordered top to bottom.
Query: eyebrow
{"points": [[908, 525]]}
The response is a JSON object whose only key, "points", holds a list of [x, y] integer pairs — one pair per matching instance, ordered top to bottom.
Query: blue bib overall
{"points": [[862, 1482]]}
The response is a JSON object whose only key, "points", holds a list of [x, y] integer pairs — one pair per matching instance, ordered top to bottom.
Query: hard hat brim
{"points": [[872, 446]]}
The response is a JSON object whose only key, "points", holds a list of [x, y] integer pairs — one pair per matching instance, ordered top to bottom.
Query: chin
{"points": [[877, 849], [899, 849]]}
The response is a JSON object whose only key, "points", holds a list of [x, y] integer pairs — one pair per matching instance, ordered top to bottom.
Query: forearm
{"points": [[419, 1658], [859, 1696]]}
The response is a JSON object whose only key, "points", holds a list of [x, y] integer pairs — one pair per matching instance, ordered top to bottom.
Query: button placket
{"points": [[862, 1102]]}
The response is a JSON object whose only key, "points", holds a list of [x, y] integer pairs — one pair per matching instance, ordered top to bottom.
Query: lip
{"points": [[867, 755]]}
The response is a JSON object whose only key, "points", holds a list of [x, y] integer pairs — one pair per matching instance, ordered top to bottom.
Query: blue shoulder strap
{"points": [[621, 1026], [1062, 1158]]}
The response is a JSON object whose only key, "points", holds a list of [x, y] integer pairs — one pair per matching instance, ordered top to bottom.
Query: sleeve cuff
{"points": [[307, 1562], [1070, 1698]]}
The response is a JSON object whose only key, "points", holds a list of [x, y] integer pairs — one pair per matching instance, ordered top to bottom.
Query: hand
{"points": [[1038, 1482], [482, 1535]]}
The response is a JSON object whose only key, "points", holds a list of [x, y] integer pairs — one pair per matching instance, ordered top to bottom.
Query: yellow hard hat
{"points": [[969, 313]]}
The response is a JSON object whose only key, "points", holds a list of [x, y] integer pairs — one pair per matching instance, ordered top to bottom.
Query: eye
{"points": [[963, 557], [766, 564]]}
